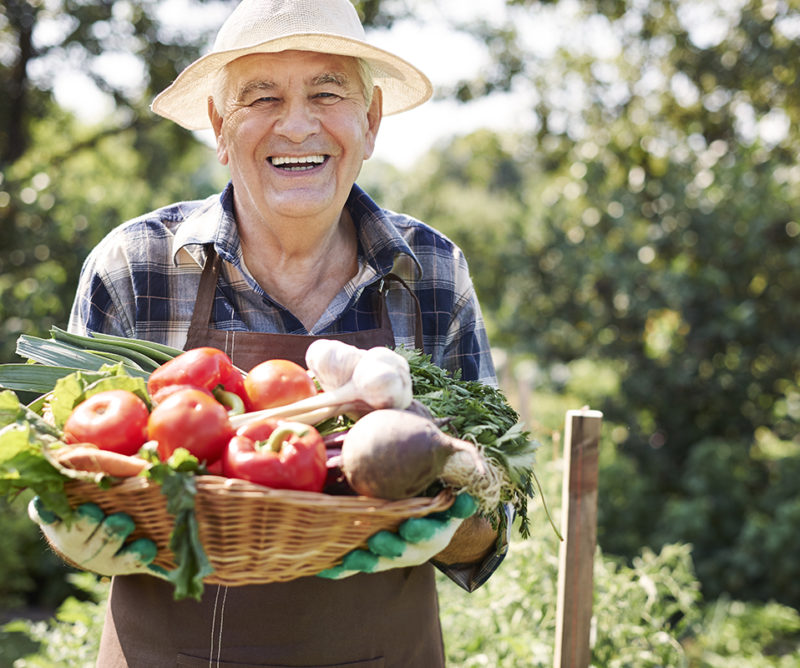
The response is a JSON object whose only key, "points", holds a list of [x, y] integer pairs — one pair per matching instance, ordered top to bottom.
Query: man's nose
{"points": [[297, 121]]}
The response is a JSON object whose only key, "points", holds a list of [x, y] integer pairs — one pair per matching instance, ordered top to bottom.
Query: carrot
{"points": [[87, 457]]}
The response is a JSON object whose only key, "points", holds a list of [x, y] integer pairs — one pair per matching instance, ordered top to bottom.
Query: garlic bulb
{"points": [[332, 362], [380, 378]]}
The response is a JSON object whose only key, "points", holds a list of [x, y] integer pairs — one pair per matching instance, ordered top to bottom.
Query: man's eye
{"points": [[326, 96], [264, 99]]}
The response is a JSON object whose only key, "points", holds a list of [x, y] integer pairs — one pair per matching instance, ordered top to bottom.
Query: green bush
{"points": [[627, 504], [739, 509], [32, 576], [641, 611], [647, 615], [733, 634], [71, 638]]}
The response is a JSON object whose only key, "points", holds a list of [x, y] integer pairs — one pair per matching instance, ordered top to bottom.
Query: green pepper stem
{"points": [[232, 401], [282, 432]]}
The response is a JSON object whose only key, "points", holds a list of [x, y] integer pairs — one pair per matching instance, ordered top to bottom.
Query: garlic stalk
{"points": [[380, 379]]}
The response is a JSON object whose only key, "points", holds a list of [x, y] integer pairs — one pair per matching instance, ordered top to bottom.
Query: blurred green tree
{"points": [[67, 178], [651, 217], [649, 222]]}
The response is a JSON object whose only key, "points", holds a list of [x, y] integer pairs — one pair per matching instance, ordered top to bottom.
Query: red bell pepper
{"points": [[204, 368], [277, 454]]}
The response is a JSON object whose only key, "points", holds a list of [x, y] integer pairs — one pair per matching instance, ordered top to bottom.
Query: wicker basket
{"points": [[253, 534]]}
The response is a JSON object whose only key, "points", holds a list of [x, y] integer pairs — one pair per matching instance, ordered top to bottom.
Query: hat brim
{"points": [[185, 101]]}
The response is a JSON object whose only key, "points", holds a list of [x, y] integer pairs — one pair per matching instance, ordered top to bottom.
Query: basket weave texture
{"points": [[253, 534]]}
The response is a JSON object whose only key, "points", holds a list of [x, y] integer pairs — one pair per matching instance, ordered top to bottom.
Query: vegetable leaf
{"points": [[71, 390], [479, 413], [22, 462], [177, 478]]}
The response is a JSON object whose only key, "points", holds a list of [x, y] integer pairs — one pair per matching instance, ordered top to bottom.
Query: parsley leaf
{"points": [[479, 413], [177, 478]]}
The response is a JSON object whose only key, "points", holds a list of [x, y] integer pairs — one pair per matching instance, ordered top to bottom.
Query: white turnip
{"points": [[395, 454]]}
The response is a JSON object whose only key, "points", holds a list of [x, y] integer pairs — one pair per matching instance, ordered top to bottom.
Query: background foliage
{"points": [[635, 249]]}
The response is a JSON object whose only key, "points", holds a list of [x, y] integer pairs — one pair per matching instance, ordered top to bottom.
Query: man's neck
{"points": [[302, 266]]}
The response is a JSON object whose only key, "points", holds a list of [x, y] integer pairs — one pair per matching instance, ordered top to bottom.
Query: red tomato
{"points": [[277, 383], [169, 390], [114, 420], [193, 420]]}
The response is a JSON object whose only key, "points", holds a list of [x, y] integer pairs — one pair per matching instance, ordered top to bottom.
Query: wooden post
{"points": [[579, 530]]}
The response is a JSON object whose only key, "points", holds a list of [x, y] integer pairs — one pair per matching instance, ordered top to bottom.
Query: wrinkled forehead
{"points": [[298, 65], [273, 71]]}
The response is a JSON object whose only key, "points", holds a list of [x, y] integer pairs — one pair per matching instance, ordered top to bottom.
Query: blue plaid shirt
{"points": [[141, 281]]}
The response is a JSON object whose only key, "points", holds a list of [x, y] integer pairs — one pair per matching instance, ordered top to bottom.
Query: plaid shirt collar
{"points": [[380, 245]]}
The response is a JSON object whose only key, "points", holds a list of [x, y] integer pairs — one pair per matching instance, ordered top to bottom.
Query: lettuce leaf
{"points": [[71, 390], [22, 461]]}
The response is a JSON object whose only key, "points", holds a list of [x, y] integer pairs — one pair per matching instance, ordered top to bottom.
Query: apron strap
{"points": [[204, 304], [201, 316], [418, 338]]}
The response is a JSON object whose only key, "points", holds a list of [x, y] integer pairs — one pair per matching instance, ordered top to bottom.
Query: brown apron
{"points": [[389, 619]]}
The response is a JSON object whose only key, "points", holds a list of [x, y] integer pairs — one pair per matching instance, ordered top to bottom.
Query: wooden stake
{"points": [[579, 529]]}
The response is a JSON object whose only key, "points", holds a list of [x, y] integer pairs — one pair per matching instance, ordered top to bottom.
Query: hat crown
{"points": [[256, 21], [272, 26]]}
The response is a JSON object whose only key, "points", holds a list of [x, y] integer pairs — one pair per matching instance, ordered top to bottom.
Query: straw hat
{"points": [[269, 26]]}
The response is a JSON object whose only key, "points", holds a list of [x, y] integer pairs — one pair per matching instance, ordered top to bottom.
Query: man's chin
{"points": [[304, 203]]}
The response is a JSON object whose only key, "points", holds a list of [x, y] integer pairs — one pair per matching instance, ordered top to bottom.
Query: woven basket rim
{"points": [[236, 487], [300, 533]]}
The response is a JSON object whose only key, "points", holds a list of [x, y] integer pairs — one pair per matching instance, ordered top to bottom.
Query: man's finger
{"points": [[110, 535], [387, 544], [137, 553]]}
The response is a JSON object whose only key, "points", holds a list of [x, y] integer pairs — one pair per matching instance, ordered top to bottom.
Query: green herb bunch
{"points": [[479, 413]]}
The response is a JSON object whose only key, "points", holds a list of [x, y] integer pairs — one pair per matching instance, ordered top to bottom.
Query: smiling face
{"points": [[293, 128]]}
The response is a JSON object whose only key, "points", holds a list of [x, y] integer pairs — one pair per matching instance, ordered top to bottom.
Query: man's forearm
{"points": [[472, 542]]}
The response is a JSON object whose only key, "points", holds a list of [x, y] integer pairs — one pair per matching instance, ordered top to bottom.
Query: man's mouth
{"points": [[297, 164]]}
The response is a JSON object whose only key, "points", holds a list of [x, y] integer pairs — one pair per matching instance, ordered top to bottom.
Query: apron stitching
{"points": [[221, 618], [213, 624]]}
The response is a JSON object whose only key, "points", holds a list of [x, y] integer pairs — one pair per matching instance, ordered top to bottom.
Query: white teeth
{"points": [[306, 160]]}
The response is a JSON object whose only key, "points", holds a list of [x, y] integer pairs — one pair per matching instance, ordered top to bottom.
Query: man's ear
{"points": [[374, 116], [216, 125]]}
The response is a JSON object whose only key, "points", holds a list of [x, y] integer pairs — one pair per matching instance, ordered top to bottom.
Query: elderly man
{"points": [[291, 250]]}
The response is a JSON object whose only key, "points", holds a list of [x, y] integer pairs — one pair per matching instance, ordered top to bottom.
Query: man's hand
{"points": [[474, 540], [416, 541], [95, 542]]}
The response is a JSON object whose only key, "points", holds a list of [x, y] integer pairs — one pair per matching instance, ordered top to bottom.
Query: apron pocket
{"points": [[185, 661]]}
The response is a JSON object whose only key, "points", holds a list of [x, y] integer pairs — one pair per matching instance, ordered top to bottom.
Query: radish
{"points": [[396, 454]]}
